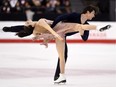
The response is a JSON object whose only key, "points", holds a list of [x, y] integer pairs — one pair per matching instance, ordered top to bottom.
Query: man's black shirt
{"points": [[71, 18]]}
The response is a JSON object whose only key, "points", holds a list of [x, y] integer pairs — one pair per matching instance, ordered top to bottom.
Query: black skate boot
{"points": [[105, 28], [56, 77]]}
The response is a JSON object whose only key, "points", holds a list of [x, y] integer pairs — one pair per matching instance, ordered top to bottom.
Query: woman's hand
{"points": [[34, 38]]}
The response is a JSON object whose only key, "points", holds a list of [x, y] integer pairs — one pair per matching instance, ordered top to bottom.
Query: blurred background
{"points": [[21, 10]]}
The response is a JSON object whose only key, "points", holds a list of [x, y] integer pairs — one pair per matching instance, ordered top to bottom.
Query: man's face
{"points": [[90, 15]]}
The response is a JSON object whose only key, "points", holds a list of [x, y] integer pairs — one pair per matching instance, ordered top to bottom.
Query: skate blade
{"points": [[107, 27], [61, 82]]}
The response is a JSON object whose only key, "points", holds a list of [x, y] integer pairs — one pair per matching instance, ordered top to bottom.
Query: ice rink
{"points": [[33, 65]]}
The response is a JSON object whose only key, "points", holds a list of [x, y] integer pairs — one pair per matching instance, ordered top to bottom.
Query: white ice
{"points": [[33, 65]]}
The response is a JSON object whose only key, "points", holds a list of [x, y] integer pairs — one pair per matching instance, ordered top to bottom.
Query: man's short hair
{"points": [[91, 8]]}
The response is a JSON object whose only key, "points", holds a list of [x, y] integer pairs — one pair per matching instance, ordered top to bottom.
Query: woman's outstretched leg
{"points": [[91, 27], [94, 27], [81, 28]]}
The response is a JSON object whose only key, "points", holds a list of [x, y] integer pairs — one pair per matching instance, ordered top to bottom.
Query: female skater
{"points": [[42, 29]]}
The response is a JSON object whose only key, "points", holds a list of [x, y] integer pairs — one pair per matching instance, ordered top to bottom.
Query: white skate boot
{"points": [[61, 79]]}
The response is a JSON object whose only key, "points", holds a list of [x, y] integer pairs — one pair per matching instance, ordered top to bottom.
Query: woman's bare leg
{"points": [[43, 24], [85, 27], [89, 27], [94, 27], [81, 28], [60, 46]]}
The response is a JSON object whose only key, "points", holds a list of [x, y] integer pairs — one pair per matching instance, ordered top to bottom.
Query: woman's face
{"points": [[90, 15]]}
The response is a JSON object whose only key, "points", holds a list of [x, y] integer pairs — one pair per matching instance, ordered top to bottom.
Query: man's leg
{"points": [[13, 28], [58, 65]]}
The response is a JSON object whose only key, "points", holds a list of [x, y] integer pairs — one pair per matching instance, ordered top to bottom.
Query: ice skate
{"points": [[105, 28], [61, 79]]}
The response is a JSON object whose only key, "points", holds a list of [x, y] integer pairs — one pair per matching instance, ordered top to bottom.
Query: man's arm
{"points": [[85, 35]]}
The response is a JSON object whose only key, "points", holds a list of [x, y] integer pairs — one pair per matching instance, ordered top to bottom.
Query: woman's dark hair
{"points": [[91, 8], [28, 30]]}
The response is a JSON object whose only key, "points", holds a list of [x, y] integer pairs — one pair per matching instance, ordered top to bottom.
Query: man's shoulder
{"points": [[75, 13]]}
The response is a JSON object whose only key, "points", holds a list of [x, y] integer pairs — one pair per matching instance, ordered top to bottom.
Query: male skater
{"points": [[87, 14], [75, 18]]}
